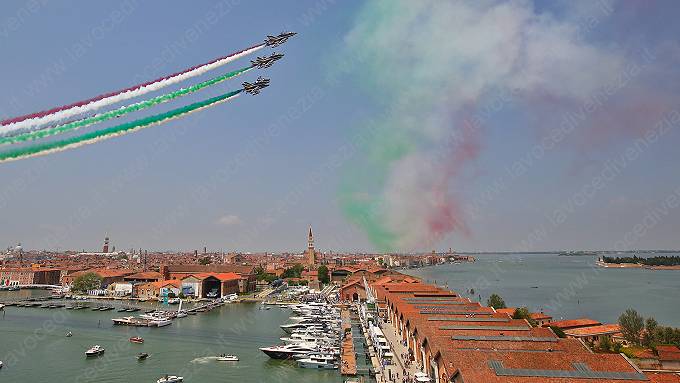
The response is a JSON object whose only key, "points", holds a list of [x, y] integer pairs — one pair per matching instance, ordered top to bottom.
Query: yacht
{"points": [[160, 322], [95, 350], [288, 351], [319, 362], [170, 379]]}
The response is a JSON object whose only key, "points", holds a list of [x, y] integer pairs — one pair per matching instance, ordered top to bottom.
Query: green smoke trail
{"points": [[50, 131], [99, 135]]}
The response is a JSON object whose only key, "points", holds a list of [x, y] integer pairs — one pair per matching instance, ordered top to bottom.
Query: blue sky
{"points": [[166, 188]]}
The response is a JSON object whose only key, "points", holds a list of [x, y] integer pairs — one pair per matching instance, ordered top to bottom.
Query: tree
{"points": [[204, 261], [293, 272], [323, 275], [87, 281], [496, 302], [523, 313], [631, 324], [649, 336], [605, 344]]}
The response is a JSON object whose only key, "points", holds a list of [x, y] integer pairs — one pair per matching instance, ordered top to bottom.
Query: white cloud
{"points": [[229, 220]]}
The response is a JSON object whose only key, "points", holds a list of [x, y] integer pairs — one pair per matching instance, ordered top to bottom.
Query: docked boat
{"points": [[160, 322], [137, 339], [95, 350], [288, 351], [142, 356], [227, 358], [325, 362], [170, 379]]}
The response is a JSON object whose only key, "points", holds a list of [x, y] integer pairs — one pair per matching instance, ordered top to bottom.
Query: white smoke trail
{"points": [[94, 105]]}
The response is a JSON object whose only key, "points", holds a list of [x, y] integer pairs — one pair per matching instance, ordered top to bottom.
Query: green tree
{"points": [[204, 261], [293, 272], [323, 275], [87, 281], [496, 302], [523, 313], [632, 325], [649, 336], [605, 344]]}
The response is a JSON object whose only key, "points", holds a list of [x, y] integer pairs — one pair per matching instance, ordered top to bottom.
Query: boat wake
{"points": [[204, 360]]}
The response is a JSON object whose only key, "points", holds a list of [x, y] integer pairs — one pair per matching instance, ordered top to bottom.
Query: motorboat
{"points": [[160, 322], [69, 334], [137, 339], [95, 350], [288, 351], [142, 356], [227, 358], [319, 362], [170, 379]]}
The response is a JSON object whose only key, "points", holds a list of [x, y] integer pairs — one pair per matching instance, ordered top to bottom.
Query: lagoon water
{"points": [[563, 286], [34, 347]]}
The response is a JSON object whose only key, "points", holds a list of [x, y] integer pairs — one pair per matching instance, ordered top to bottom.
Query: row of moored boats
{"points": [[313, 337]]}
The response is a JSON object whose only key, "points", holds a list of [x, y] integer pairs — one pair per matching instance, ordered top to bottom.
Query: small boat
{"points": [[69, 334], [136, 339], [95, 350], [142, 356], [227, 358], [0, 363], [170, 379]]}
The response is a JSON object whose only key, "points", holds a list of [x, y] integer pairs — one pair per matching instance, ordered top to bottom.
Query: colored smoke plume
{"points": [[432, 66]]}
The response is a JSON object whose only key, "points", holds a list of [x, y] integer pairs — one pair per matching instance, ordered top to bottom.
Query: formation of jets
{"points": [[275, 41], [267, 61], [256, 86]]}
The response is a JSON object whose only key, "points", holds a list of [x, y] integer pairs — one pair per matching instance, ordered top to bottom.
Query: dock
{"points": [[348, 358]]}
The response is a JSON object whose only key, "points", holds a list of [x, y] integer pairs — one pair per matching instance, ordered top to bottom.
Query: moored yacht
{"points": [[288, 351], [325, 362]]}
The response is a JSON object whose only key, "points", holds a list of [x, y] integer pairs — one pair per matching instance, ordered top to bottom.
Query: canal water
{"points": [[563, 286], [34, 348]]}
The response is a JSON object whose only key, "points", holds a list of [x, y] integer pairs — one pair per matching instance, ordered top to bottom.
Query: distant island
{"points": [[656, 262]]}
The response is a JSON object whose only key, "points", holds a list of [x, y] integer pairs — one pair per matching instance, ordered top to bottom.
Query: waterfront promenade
{"points": [[399, 366]]}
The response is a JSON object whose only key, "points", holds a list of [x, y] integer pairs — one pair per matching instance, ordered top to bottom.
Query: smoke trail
{"points": [[433, 66], [65, 111], [63, 128], [119, 130]]}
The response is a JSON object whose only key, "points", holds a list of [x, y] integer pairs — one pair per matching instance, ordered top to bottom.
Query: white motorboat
{"points": [[160, 322], [95, 350], [227, 358], [318, 362], [0, 363], [170, 379]]}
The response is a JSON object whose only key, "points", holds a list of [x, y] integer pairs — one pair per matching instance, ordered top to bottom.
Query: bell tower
{"points": [[311, 253]]}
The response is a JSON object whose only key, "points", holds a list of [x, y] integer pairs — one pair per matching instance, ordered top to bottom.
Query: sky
{"points": [[388, 126]]}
